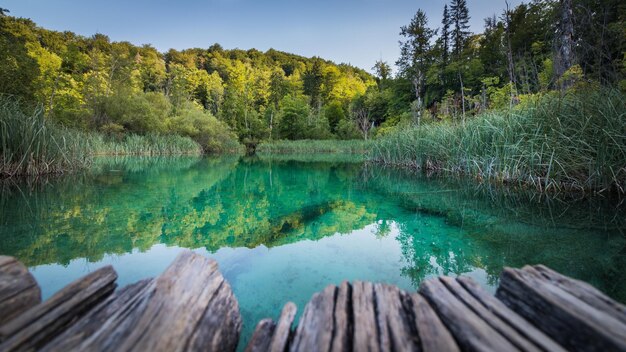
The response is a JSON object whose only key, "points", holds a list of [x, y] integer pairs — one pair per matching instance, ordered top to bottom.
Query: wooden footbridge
{"points": [[190, 307]]}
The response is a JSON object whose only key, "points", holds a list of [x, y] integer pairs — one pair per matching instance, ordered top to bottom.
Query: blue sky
{"points": [[358, 32]]}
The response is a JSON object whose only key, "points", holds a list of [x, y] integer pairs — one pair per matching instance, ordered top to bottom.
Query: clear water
{"points": [[283, 229]]}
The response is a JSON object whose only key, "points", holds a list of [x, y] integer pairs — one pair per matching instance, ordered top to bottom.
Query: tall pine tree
{"points": [[459, 16], [445, 35]]}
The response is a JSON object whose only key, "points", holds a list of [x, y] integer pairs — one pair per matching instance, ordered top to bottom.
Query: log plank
{"points": [[19, 291], [511, 318], [567, 319], [41, 323], [470, 331], [433, 335], [262, 337]]}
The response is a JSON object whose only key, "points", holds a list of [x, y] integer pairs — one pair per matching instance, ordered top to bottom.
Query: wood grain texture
{"points": [[18, 289], [584, 292], [188, 308], [511, 318], [567, 319], [396, 323], [88, 325], [316, 327], [34, 328], [365, 329], [470, 331], [282, 332], [433, 335], [262, 337], [519, 340]]}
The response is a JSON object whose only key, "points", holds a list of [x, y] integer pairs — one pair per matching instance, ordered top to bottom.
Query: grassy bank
{"points": [[575, 141], [32, 145], [314, 147]]}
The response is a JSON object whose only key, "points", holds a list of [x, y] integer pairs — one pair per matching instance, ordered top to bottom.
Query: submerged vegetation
{"points": [[553, 142]]}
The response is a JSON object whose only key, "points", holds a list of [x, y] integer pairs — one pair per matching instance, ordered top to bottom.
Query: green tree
{"points": [[459, 17], [415, 54]]}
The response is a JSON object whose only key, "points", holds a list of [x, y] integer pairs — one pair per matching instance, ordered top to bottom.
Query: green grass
{"points": [[571, 142], [151, 144], [314, 147]]}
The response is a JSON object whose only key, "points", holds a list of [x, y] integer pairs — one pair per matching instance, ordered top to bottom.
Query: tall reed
{"points": [[574, 141], [32, 146]]}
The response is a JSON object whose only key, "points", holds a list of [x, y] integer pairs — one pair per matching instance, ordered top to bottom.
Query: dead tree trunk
{"points": [[565, 44]]}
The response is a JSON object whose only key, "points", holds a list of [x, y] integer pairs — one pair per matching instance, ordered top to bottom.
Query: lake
{"points": [[282, 229]]}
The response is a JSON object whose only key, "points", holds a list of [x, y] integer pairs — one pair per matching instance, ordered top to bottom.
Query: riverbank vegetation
{"points": [[512, 103], [576, 142], [31, 145], [315, 147]]}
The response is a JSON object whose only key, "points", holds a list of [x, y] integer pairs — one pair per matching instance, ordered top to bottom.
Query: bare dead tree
{"points": [[565, 44], [509, 54], [363, 121]]}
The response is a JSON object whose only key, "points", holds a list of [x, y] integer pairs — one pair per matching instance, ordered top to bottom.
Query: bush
{"points": [[137, 113], [213, 135]]}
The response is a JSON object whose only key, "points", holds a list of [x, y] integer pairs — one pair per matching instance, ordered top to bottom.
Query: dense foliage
{"points": [[213, 95]]}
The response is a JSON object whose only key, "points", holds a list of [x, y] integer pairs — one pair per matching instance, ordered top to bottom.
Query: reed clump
{"points": [[575, 141], [33, 146]]}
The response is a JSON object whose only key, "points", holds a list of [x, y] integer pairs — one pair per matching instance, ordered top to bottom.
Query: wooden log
{"points": [[18, 289], [585, 293], [189, 307], [511, 318], [567, 319], [493, 320], [41, 323], [88, 325], [396, 325], [315, 329], [365, 329], [470, 331], [282, 332], [433, 335], [262, 337], [342, 338]]}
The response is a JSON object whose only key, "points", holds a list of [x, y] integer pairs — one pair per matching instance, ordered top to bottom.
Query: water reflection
{"points": [[282, 229]]}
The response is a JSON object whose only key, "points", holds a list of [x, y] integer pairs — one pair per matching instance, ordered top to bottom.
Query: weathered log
{"points": [[18, 289], [585, 293], [189, 307], [364, 316], [510, 317], [490, 318], [567, 319], [395, 322], [40, 324], [89, 324], [315, 329], [282, 332], [471, 332], [433, 335], [262, 337]]}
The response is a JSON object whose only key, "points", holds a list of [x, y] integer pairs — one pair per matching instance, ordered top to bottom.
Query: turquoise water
{"points": [[283, 229]]}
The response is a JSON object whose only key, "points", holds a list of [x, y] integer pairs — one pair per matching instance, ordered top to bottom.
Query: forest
{"points": [[532, 65]]}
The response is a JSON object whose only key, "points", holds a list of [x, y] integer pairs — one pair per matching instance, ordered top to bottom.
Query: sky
{"points": [[356, 32]]}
